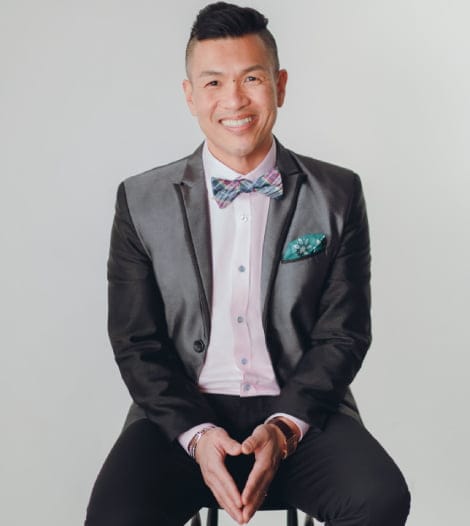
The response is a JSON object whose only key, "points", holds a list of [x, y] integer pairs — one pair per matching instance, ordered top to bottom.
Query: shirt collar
{"points": [[214, 168]]}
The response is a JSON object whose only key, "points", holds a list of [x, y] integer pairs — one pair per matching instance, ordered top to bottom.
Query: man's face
{"points": [[234, 92]]}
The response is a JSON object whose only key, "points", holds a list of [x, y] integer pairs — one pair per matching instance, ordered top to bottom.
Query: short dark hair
{"points": [[222, 20]]}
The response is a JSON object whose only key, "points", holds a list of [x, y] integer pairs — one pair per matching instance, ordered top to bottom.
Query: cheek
{"points": [[268, 101], [205, 108]]}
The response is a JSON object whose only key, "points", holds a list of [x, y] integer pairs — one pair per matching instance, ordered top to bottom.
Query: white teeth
{"points": [[235, 123]]}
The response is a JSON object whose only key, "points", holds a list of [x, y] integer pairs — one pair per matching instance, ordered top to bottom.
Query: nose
{"points": [[234, 96]]}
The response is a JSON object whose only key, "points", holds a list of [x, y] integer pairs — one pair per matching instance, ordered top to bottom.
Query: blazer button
{"points": [[199, 346]]}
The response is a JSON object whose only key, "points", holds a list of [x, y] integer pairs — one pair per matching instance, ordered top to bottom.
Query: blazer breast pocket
{"points": [[303, 247]]}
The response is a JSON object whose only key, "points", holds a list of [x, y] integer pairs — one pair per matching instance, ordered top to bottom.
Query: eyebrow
{"points": [[214, 73]]}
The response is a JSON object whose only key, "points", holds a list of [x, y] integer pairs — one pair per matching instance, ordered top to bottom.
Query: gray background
{"points": [[90, 94]]}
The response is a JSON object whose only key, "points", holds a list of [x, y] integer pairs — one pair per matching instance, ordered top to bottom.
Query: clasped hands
{"points": [[266, 443]]}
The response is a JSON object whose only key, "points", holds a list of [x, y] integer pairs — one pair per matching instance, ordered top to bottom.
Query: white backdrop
{"points": [[90, 94]]}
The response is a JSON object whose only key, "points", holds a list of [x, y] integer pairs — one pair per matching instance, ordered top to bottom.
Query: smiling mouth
{"points": [[236, 123]]}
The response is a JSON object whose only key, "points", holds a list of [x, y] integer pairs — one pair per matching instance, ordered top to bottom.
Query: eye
{"points": [[252, 79], [212, 83]]}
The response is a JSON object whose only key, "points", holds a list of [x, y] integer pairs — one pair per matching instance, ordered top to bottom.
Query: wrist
{"points": [[290, 434], [195, 440]]}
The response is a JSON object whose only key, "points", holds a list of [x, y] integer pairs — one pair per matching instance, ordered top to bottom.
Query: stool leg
{"points": [[212, 517], [292, 517]]}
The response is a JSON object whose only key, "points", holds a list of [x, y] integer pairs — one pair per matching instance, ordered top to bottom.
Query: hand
{"points": [[266, 442], [211, 451]]}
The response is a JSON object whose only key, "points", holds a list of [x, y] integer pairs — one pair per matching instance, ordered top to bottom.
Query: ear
{"points": [[281, 86], [188, 94]]}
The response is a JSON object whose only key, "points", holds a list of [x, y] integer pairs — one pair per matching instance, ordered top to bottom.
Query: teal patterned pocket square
{"points": [[304, 246]]}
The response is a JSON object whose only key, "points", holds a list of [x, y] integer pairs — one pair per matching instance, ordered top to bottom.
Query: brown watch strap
{"points": [[292, 437]]}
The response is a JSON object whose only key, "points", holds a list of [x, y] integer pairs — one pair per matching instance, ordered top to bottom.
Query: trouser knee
{"points": [[385, 506]]}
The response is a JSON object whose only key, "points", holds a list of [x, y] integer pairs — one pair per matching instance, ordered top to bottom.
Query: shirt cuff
{"points": [[303, 426], [185, 438]]}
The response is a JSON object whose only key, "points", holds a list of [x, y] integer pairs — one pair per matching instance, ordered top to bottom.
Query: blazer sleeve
{"points": [[341, 334], [149, 365]]}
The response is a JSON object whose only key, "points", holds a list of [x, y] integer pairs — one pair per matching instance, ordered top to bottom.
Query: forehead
{"points": [[228, 54]]}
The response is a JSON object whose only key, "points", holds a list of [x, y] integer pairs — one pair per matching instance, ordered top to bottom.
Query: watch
{"points": [[291, 435]]}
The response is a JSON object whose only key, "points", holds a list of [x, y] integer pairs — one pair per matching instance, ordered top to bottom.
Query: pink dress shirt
{"points": [[237, 360]]}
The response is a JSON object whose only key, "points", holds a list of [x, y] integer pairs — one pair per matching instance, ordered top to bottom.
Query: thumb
{"points": [[249, 445], [231, 446]]}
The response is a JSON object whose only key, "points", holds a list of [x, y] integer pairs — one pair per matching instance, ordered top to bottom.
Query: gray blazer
{"points": [[316, 309]]}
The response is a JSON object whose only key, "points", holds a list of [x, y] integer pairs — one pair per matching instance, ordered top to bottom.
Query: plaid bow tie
{"points": [[226, 190]]}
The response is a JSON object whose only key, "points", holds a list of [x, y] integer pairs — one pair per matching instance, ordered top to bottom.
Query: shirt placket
{"points": [[241, 292]]}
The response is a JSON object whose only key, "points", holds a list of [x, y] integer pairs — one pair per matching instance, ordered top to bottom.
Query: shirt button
{"points": [[244, 218], [242, 268], [240, 319], [244, 361], [246, 387]]}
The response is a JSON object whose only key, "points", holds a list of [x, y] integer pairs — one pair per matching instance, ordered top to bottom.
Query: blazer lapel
{"points": [[193, 194], [280, 215]]}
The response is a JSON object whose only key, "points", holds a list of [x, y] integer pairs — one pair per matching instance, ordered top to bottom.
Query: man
{"points": [[239, 314]]}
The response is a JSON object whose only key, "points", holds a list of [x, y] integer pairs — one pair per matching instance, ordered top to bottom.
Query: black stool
{"points": [[292, 519]]}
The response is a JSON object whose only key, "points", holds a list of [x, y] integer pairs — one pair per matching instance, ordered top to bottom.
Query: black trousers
{"points": [[340, 475]]}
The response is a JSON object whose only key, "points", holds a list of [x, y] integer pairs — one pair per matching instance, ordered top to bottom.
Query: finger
{"points": [[211, 457], [223, 479], [259, 479], [220, 481], [229, 490], [255, 490], [226, 492], [227, 501], [251, 508], [235, 512]]}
